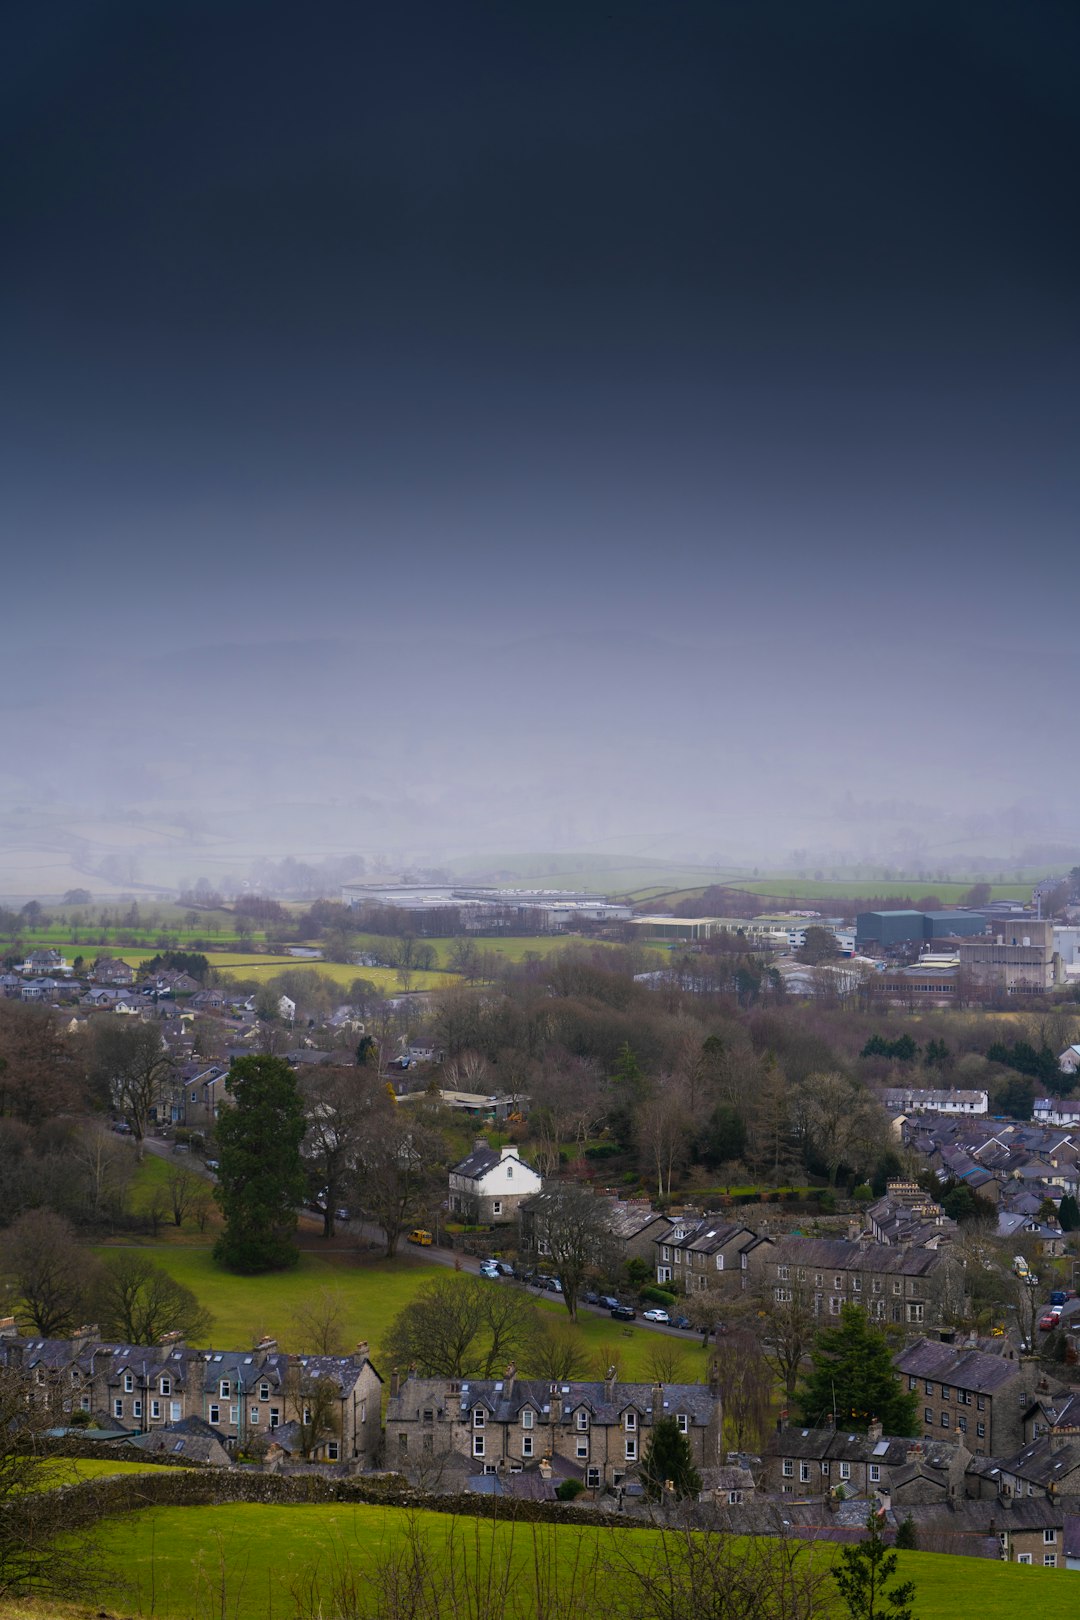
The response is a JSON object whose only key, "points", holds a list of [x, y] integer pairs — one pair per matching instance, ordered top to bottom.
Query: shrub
{"points": [[659, 1296], [569, 1489]]}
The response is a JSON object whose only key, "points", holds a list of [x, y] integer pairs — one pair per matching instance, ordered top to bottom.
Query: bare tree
{"points": [[136, 1068], [342, 1107], [664, 1132], [108, 1165], [399, 1168], [183, 1188], [571, 1227], [51, 1275], [139, 1302], [318, 1323], [459, 1327], [786, 1332], [558, 1352], [666, 1362], [746, 1382], [313, 1400], [716, 1577]]}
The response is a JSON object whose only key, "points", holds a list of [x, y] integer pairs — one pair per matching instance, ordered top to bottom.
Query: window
{"points": [[496, 1206], [665, 1252], [719, 1262], [783, 1273], [818, 1279], [838, 1281], [856, 1285], [875, 1286], [898, 1287], [783, 1296], [835, 1302], [914, 1313], [129, 1383], [165, 1386], [929, 1387], [224, 1390], [264, 1391], [946, 1393], [964, 1397], [85, 1403], [980, 1403], [118, 1409], [155, 1409], [174, 1412], [215, 1414], [234, 1414], [429, 1414], [928, 1414], [253, 1415], [275, 1416], [527, 1417], [306, 1418], [478, 1418], [583, 1420], [631, 1420], [682, 1420], [944, 1420], [961, 1424], [980, 1430], [403, 1442], [478, 1445], [526, 1445], [583, 1446], [631, 1449], [332, 1450], [789, 1467], [825, 1467], [845, 1470], [804, 1473], [875, 1473], [592, 1478], [734, 1497], [1049, 1536], [1023, 1558], [1050, 1560]]}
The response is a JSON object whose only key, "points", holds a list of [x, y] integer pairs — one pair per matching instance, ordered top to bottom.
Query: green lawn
{"points": [[236, 965], [372, 1292], [70, 1470], [252, 1563]]}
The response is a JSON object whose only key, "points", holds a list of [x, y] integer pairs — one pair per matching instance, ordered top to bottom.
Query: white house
{"points": [[286, 1008], [1069, 1060], [923, 1100], [1053, 1111], [490, 1184]]}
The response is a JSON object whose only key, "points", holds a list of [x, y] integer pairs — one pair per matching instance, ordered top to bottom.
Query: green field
{"points": [[859, 888], [235, 965], [372, 1292], [252, 1563]]}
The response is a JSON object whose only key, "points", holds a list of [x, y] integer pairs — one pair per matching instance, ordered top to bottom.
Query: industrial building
{"points": [[543, 910], [891, 930], [1019, 958]]}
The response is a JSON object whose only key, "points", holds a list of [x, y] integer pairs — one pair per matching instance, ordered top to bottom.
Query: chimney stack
{"points": [[362, 1349], [508, 1379], [395, 1382], [609, 1384], [874, 1430], [545, 1468]]}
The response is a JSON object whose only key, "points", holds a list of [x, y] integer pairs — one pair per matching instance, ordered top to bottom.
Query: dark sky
{"points": [[749, 327]]}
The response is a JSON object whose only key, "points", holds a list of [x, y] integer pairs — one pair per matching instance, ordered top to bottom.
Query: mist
{"points": [[437, 434]]}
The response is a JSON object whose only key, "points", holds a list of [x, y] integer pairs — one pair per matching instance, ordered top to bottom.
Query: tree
{"points": [[819, 945], [135, 1068], [841, 1123], [664, 1132], [399, 1168], [260, 1175], [183, 1188], [1069, 1213], [571, 1226], [49, 1272], [137, 1301], [318, 1323], [461, 1327], [558, 1353], [852, 1378], [746, 1384], [313, 1398], [667, 1460], [907, 1537], [863, 1575], [714, 1577]]}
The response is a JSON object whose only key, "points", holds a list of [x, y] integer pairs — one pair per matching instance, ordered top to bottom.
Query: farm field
{"points": [[856, 889], [515, 949], [237, 965], [253, 1562]]}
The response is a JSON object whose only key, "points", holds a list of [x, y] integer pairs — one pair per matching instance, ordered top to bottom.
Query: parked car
{"points": [[211, 1164], [418, 1235], [504, 1267], [489, 1269], [552, 1284], [591, 1297], [1058, 1297], [608, 1301], [623, 1313], [656, 1315], [1049, 1321], [681, 1322]]}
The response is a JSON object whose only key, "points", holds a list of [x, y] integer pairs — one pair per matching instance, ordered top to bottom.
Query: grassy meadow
{"points": [[252, 1563]]}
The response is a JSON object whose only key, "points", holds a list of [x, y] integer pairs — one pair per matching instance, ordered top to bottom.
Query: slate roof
{"points": [[478, 1163], [837, 1254], [963, 1368], [553, 1404], [843, 1446], [1041, 1462]]}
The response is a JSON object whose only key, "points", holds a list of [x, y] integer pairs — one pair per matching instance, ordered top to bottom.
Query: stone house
{"points": [[490, 1186], [699, 1254], [897, 1285], [972, 1394], [596, 1432], [808, 1462]]}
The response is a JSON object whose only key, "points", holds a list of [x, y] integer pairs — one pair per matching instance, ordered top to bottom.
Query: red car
{"points": [[1050, 1320]]}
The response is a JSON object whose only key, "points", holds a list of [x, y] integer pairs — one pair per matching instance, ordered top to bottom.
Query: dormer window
{"points": [[129, 1383], [166, 1386], [224, 1389], [264, 1391], [478, 1417], [527, 1418], [682, 1419], [583, 1420], [630, 1420]]}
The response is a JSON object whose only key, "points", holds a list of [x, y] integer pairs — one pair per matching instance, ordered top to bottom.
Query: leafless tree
{"points": [[135, 1066], [664, 1131], [183, 1188], [51, 1275], [139, 1302], [318, 1323], [458, 1327], [557, 1352], [666, 1362], [746, 1382]]}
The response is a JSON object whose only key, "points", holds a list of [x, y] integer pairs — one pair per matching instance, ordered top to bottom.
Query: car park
{"points": [[623, 1313], [656, 1315]]}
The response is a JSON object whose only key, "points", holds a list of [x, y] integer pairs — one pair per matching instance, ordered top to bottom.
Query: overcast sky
{"points": [[735, 341]]}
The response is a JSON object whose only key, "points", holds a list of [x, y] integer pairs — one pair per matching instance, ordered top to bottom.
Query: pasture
{"points": [[238, 965], [254, 1562]]}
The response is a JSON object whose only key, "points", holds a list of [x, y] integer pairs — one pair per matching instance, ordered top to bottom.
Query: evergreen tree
{"points": [[260, 1177], [1069, 1213], [852, 1376], [667, 1457], [907, 1538], [863, 1573]]}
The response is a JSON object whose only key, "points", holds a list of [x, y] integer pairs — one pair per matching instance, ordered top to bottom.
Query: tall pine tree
{"points": [[260, 1177], [852, 1378]]}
